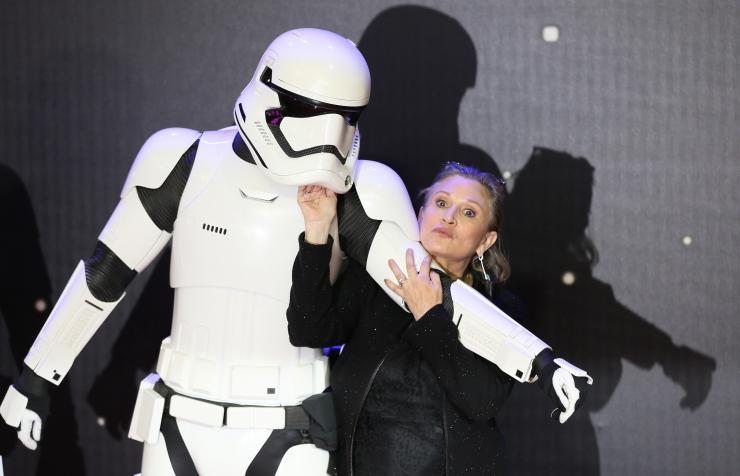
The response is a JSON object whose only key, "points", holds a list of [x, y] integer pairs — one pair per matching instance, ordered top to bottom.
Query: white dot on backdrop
{"points": [[551, 33], [506, 175], [687, 240], [569, 278], [40, 305], [101, 421]]}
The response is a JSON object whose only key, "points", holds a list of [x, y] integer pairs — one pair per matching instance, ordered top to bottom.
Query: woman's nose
{"points": [[449, 215]]}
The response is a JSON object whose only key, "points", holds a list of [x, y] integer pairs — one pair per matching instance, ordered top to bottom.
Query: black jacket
{"points": [[357, 312]]}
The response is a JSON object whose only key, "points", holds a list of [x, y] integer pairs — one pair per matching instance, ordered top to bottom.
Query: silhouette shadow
{"points": [[422, 62], [53, 113], [547, 215], [25, 293]]}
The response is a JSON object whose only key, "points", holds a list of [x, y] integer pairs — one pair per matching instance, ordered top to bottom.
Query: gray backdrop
{"points": [[621, 141]]}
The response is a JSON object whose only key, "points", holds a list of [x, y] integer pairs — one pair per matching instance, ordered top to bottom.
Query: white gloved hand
{"points": [[564, 383], [567, 392], [25, 407], [30, 430]]}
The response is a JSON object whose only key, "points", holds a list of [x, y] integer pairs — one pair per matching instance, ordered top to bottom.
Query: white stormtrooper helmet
{"points": [[299, 113]]}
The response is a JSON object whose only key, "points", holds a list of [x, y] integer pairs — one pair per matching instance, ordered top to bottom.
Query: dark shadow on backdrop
{"points": [[422, 62], [54, 120], [547, 215], [25, 293]]}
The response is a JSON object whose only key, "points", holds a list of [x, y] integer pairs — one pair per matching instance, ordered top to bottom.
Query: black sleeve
{"points": [[319, 314], [477, 387]]}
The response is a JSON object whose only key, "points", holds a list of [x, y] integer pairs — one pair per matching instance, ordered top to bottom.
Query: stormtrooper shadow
{"points": [[422, 62], [552, 257], [25, 293]]}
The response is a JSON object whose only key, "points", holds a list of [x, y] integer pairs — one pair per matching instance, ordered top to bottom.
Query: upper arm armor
{"points": [[158, 156], [378, 197], [384, 197], [142, 222], [377, 222], [136, 232]]}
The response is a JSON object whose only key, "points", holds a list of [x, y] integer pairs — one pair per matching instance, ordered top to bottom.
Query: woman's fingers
{"points": [[315, 189], [304, 193], [410, 264], [425, 267], [400, 277], [394, 287], [420, 291]]}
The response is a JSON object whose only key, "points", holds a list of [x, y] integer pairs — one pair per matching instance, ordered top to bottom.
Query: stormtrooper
{"points": [[231, 395]]}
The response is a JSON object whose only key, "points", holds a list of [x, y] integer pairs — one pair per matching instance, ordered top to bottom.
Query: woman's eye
{"points": [[440, 203], [469, 213]]}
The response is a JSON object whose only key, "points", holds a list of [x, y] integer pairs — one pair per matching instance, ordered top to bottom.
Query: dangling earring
{"points": [[483, 268], [488, 284]]}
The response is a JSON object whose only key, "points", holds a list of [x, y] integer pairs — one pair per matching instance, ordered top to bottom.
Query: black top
{"points": [[397, 377], [400, 427]]}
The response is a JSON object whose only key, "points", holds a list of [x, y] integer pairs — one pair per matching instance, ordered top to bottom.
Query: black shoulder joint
{"points": [[161, 203], [356, 229]]}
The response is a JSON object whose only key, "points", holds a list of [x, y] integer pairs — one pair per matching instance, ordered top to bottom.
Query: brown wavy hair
{"points": [[495, 260]]}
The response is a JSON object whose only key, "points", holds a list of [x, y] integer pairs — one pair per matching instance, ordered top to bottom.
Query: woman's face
{"points": [[453, 222]]}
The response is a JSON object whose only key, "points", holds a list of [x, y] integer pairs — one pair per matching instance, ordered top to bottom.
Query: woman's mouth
{"points": [[442, 231]]}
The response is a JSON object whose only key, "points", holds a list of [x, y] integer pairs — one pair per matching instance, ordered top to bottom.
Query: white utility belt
{"points": [[232, 416]]}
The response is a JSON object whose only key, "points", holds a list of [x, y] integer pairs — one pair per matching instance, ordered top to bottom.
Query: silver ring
{"points": [[401, 281]]}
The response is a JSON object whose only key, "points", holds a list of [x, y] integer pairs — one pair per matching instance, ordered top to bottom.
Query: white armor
{"points": [[305, 65], [132, 236], [233, 245], [490, 333], [229, 340], [228, 359]]}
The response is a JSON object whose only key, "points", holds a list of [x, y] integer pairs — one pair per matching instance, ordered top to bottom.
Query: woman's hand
{"points": [[319, 207], [420, 291]]}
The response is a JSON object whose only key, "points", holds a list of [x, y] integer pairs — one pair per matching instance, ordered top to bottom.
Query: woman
{"points": [[410, 399]]}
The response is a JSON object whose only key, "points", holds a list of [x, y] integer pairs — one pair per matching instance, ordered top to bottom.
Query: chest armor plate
{"points": [[233, 247]]}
